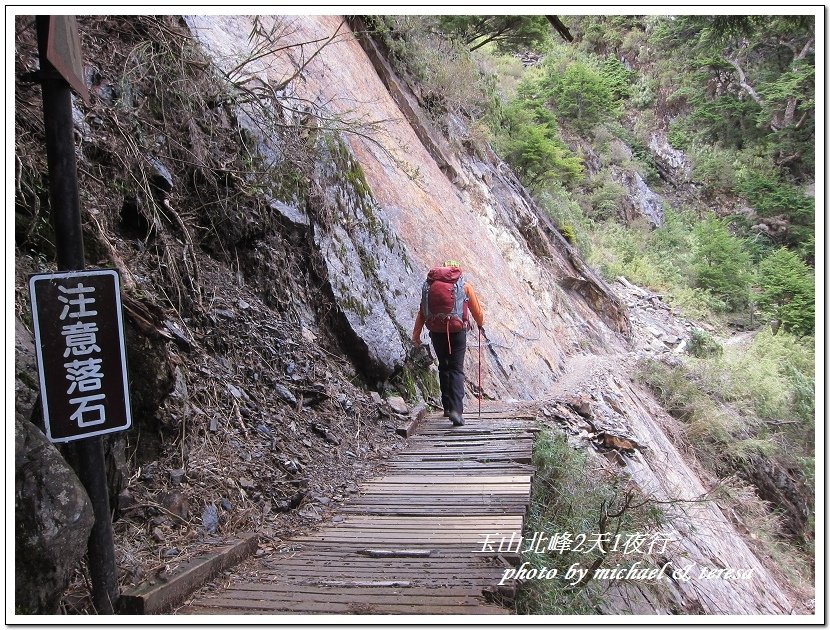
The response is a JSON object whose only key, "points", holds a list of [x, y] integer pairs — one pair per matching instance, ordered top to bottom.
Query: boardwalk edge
{"points": [[154, 597]]}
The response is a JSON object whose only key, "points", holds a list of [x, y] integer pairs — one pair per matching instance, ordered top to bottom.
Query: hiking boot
{"points": [[456, 419]]}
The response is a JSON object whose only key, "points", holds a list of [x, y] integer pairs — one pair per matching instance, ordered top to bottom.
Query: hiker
{"points": [[446, 301]]}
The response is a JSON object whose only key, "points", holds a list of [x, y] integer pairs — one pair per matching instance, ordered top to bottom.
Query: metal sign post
{"points": [[87, 455]]}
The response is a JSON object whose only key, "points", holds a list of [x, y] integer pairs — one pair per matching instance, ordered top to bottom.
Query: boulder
{"points": [[640, 201], [398, 405], [52, 518]]}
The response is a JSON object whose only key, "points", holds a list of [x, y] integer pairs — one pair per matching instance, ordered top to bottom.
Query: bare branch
{"points": [[804, 51], [310, 59], [743, 82]]}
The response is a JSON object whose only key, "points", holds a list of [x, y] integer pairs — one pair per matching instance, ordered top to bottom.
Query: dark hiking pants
{"points": [[451, 368]]}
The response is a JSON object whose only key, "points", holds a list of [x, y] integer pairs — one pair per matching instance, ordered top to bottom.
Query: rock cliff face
{"points": [[540, 300], [555, 327]]}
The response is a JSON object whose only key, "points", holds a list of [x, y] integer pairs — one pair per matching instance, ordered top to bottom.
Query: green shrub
{"points": [[508, 33], [616, 77], [450, 81], [643, 92], [581, 95], [678, 134], [528, 142], [714, 168], [770, 196], [606, 198], [564, 211], [568, 233], [629, 251], [721, 264], [787, 291], [695, 303], [702, 344], [773, 376], [740, 398], [568, 497]]}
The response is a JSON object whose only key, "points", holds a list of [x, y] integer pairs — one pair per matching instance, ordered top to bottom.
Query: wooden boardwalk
{"points": [[411, 541]]}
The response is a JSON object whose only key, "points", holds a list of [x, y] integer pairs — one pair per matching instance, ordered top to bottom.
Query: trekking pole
{"points": [[479, 374]]}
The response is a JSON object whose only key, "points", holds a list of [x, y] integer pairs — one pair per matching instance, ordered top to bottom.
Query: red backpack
{"points": [[443, 301]]}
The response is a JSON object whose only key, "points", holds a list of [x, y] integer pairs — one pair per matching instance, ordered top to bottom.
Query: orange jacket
{"points": [[474, 307]]}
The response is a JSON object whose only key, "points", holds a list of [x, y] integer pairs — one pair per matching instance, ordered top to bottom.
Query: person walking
{"points": [[447, 301]]}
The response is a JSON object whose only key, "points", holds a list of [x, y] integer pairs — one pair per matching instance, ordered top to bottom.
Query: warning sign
{"points": [[63, 50], [79, 338]]}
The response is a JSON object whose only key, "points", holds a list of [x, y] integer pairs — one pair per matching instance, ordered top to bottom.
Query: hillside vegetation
{"points": [[731, 99]]}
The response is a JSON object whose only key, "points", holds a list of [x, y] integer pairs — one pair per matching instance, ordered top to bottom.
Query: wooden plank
{"points": [[415, 417], [442, 479], [445, 488], [442, 491], [507, 510], [437, 521], [405, 538], [396, 553], [381, 570], [420, 573], [416, 576], [346, 588], [333, 595], [152, 597], [221, 606]]}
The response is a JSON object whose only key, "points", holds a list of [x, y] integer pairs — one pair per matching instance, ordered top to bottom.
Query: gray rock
{"points": [[671, 163], [160, 177], [640, 199], [293, 215], [182, 340], [236, 392], [287, 396], [376, 398], [344, 401], [398, 405], [324, 433], [148, 472], [177, 476], [124, 500], [176, 503], [226, 505], [52, 518], [210, 518]]}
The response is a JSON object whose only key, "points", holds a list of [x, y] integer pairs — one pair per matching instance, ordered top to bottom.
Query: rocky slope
{"points": [[257, 327]]}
